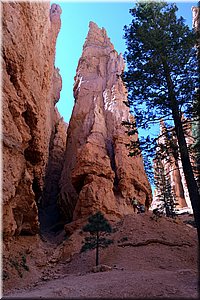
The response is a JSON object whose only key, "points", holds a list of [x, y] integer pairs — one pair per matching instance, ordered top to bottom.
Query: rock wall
{"points": [[31, 87], [98, 174]]}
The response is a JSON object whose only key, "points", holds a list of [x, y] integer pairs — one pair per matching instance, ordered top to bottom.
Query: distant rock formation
{"points": [[195, 17], [31, 87], [196, 125], [172, 166], [98, 174]]}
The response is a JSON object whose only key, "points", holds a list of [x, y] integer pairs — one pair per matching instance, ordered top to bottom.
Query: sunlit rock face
{"points": [[196, 17], [31, 87], [98, 174]]}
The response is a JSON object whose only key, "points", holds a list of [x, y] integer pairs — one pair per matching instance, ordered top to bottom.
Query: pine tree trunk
{"points": [[197, 29], [185, 159], [189, 175], [191, 184], [97, 250]]}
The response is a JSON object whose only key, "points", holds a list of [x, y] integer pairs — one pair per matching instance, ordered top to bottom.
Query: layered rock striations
{"points": [[31, 87], [98, 174]]}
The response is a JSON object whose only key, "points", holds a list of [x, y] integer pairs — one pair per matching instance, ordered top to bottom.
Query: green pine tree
{"points": [[162, 76], [196, 117], [196, 148], [164, 188], [97, 226]]}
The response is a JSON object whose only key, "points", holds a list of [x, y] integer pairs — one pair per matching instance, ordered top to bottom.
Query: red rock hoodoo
{"points": [[98, 174]]}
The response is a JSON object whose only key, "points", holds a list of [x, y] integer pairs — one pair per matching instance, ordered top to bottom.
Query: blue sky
{"points": [[75, 19]]}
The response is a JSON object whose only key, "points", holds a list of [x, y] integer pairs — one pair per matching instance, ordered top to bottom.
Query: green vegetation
{"points": [[162, 78], [163, 188], [97, 226], [23, 263], [16, 265], [19, 266], [5, 275]]}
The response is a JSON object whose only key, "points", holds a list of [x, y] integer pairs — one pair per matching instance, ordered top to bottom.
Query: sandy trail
{"points": [[165, 269], [117, 284]]}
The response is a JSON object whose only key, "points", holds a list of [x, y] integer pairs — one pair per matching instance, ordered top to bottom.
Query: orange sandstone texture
{"points": [[31, 87], [98, 174]]}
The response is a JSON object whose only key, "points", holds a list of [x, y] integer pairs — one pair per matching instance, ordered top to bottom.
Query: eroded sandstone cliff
{"points": [[31, 87], [98, 174]]}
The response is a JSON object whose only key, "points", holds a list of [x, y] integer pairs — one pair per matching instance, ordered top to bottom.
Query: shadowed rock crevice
{"points": [[12, 71], [31, 153], [111, 154], [79, 182], [37, 191], [50, 216]]}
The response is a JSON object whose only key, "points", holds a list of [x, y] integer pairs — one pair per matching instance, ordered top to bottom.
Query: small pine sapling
{"points": [[97, 226]]}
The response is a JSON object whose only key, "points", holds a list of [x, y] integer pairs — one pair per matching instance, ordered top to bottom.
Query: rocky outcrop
{"points": [[31, 87], [98, 174]]}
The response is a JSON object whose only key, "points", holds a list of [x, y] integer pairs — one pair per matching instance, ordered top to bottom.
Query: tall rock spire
{"points": [[97, 37], [98, 174]]}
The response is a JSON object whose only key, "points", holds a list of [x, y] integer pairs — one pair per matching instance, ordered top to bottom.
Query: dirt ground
{"points": [[147, 259]]}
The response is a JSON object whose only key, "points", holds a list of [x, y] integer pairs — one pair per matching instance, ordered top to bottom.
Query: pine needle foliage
{"points": [[163, 77], [164, 188], [97, 226]]}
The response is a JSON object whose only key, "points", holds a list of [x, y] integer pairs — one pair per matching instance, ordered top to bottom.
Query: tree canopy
{"points": [[158, 43], [162, 77], [97, 226]]}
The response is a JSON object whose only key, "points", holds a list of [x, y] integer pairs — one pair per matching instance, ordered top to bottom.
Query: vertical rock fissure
{"points": [[31, 153], [111, 154], [37, 191], [49, 213], [50, 216]]}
